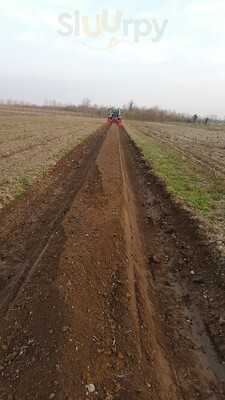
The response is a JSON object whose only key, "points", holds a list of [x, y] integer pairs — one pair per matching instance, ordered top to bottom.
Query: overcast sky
{"points": [[168, 53]]}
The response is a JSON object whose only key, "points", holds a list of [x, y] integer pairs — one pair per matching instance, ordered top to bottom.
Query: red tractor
{"points": [[114, 117]]}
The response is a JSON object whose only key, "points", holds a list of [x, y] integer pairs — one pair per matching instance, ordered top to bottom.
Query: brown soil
{"points": [[31, 143], [96, 271]]}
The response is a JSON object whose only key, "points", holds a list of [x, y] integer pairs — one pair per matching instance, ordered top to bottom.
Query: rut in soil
{"points": [[90, 302]]}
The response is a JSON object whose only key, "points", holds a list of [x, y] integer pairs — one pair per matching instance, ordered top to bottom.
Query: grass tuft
{"points": [[22, 184]]}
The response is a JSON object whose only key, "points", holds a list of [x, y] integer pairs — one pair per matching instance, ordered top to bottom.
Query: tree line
{"points": [[129, 111]]}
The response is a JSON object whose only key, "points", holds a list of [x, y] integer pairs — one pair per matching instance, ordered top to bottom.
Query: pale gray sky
{"points": [[171, 54]]}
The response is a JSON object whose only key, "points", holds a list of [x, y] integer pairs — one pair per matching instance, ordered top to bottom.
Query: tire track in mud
{"points": [[97, 315]]}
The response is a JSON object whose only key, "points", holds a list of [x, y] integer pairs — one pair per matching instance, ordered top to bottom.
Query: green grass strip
{"points": [[199, 191]]}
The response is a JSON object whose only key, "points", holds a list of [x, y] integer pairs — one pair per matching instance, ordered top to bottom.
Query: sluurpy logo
{"points": [[107, 30]]}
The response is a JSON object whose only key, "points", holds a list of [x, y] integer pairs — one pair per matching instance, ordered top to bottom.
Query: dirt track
{"points": [[94, 289]]}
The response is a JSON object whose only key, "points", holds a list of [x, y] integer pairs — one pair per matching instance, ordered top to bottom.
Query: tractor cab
{"points": [[114, 116]]}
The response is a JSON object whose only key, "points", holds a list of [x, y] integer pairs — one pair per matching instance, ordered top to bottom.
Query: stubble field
{"points": [[31, 141]]}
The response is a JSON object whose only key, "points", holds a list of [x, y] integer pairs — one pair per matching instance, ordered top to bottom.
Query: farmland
{"points": [[32, 141], [191, 161], [111, 286]]}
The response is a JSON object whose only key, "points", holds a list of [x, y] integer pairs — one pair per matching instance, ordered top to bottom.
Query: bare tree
{"points": [[86, 102], [131, 105], [195, 118]]}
